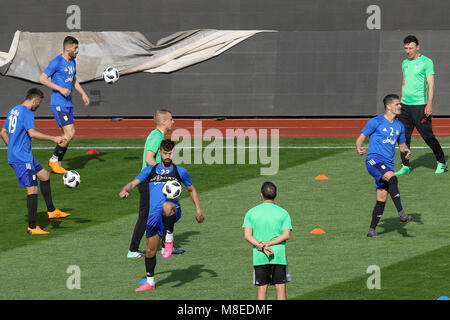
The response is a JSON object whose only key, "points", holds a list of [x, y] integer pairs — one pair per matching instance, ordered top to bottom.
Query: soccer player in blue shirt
{"points": [[60, 76], [17, 132], [384, 132], [163, 212]]}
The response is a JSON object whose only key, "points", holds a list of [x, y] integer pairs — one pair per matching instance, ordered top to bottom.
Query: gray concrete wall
{"points": [[324, 60]]}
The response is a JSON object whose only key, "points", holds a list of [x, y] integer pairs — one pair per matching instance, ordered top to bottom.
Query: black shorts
{"points": [[270, 274]]}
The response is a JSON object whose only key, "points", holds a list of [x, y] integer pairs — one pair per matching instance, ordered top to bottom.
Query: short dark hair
{"points": [[410, 39], [69, 40], [34, 92], [389, 98], [167, 145], [268, 190]]}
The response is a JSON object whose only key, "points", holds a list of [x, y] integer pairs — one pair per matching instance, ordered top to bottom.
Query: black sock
{"points": [[59, 152], [47, 194], [395, 194], [32, 204], [377, 213], [169, 222], [150, 264]]}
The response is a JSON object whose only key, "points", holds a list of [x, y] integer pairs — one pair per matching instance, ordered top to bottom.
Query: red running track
{"points": [[288, 128]]}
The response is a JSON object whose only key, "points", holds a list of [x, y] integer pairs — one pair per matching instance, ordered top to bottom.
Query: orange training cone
{"points": [[92, 151], [321, 177], [317, 231]]}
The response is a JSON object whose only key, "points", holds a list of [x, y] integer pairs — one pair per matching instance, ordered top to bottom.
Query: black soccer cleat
{"points": [[405, 218], [372, 234], [177, 251]]}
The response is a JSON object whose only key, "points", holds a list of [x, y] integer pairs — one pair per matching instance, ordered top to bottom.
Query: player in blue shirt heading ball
{"points": [[62, 72], [17, 132], [384, 132], [163, 212]]}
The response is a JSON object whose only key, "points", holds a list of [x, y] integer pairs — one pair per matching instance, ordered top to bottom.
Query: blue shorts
{"points": [[62, 115], [377, 170], [26, 173], [155, 224]]}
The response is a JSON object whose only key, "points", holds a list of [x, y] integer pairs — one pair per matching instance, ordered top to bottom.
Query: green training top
{"points": [[415, 72], [153, 143], [268, 221]]}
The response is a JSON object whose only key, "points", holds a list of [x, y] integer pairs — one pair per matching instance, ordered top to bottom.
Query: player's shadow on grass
{"points": [[427, 160], [81, 161], [43, 221], [393, 224], [183, 238], [184, 276]]}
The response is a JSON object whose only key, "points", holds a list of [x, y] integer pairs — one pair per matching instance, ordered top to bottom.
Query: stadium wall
{"points": [[327, 58]]}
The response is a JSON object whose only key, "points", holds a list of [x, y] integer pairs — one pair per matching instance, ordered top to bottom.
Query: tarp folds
{"points": [[129, 52]]}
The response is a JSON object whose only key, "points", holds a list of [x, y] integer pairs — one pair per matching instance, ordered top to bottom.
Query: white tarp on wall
{"points": [[129, 52]]}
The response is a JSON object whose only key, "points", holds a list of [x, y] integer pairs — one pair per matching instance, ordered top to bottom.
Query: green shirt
{"points": [[415, 72], [153, 143], [268, 221]]}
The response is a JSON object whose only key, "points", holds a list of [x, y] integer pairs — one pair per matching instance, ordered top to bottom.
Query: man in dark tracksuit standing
{"points": [[417, 99]]}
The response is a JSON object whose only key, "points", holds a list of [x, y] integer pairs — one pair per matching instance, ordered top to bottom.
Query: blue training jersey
{"points": [[62, 73], [18, 121], [383, 137], [157, 198]]}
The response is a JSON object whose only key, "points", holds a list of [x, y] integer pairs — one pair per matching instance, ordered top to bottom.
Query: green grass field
{"points": [[414, 258]]}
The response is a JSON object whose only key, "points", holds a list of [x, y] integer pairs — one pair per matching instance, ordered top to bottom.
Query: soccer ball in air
{"points": [[111, 75], [71, 179], [172, 189]]}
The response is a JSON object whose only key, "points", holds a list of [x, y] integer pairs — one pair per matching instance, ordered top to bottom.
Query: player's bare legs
{"points": [[68, 133], [43, 175], [152, 246], [279, 288], [281, 291], [262, 292]]}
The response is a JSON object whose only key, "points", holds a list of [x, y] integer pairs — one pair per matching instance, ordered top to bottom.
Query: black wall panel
{"points": [[322, 61]]}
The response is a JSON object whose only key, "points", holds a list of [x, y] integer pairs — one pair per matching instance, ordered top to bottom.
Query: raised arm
{"points": [[34, 134], [128, 187]]}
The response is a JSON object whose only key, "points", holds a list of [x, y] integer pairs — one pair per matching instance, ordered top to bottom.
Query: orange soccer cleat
{"points": [[56, 167], [57, 214], [36, 230]]}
